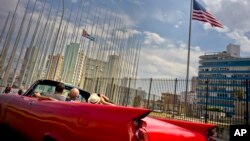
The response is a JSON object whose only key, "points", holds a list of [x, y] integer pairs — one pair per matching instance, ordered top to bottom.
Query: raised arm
{"points": [[38, 95]]}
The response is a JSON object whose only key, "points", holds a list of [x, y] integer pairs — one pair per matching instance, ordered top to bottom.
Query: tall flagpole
{"points": [[4, 27], [59, 29], [8, 37], [15, 46], [188, 57]]}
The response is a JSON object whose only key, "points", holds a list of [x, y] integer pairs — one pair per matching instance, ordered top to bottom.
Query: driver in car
{"points": [[57, 96]]}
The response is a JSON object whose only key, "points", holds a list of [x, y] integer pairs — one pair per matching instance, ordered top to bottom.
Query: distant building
{"points": [[233, 50], [70, 62], [27, 65], [114, 66], [54, 67], [79, 68], [95, 68], [226, 73], [129, 96], [170, 102]]}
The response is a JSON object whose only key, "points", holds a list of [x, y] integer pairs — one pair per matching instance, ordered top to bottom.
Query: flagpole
{"points": [[4, 27], [55, 45], [188, 56]]}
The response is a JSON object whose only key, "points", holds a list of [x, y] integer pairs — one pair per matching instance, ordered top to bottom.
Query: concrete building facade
{"points": [[70, 62], [54, 67], [226, 73]]}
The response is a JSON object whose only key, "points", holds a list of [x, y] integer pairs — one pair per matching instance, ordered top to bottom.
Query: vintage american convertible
{"points": [[43, 120]]}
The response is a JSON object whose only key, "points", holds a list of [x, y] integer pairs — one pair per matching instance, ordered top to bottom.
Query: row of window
{"points": [[229, 63], [225, 75], [222, 82]]}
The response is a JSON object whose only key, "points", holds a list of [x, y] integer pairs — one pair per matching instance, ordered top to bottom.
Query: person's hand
{"points": [[36, 94], [104, 97], [46, 98], [105, 102]]}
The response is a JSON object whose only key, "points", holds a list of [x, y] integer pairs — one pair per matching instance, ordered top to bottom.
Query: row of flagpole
{"points": [[105, 36], [40, 38], [3, 55]]}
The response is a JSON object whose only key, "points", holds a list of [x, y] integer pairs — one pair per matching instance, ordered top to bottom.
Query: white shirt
{"points": [[57, 96]]}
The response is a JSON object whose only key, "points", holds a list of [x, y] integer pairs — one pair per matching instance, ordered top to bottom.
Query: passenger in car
{"points": [[7, 89], [74, 95], [57, 96], [99, 99]]}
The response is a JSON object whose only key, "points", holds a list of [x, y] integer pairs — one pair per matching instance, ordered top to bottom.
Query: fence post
{"points": [[85, 84], [96, 86], [175, 87], [111, 89], [149, 92], [127, 101], [153, 106], [247, 114], [206, 115]]}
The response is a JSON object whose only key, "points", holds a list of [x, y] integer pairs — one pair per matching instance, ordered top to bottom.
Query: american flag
{"points": [[200, 14], [86, 35]]}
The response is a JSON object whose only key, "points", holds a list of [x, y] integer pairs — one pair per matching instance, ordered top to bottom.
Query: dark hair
{"points": [[59, 87], [20, 92]]}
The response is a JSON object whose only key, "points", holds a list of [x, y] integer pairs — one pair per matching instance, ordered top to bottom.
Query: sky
{"points": [[164, 28]]}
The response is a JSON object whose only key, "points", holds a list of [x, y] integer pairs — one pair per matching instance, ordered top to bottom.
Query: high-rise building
{"points": [[233, 50], [70, 62], [27, 65], [54, 67], [114, 67], [95, 68], [99, 68], [79, 69], [221, 80]]}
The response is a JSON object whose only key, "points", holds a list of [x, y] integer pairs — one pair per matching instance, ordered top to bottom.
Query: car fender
{"points": [[4, 101], [193, 126]]}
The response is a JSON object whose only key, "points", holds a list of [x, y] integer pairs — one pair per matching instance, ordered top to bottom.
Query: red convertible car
{"points": [[43, 120]]}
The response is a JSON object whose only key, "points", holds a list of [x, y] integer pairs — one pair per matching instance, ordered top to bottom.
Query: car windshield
{"points": [[48, 89]]}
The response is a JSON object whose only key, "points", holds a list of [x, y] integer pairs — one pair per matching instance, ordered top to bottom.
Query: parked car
{"points": [[42, 120]]}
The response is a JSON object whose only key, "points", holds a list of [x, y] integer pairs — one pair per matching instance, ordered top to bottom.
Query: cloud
{"points": [[74, 1], [136, 2], [9, 6], [233, 15], [170, 17], [127, 20], [178, 24], [207, 26], [133, 31], [152, 38], [242, 40], [168, 60]]}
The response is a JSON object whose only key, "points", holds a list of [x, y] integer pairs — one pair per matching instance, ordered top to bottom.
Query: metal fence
{"points": [[218, 101]]}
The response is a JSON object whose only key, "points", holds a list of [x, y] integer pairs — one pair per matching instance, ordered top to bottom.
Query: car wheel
{"points": [[48, 138]]}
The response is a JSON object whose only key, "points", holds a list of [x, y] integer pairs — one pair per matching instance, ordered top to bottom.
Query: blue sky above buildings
{"points": [[163, 24]]}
